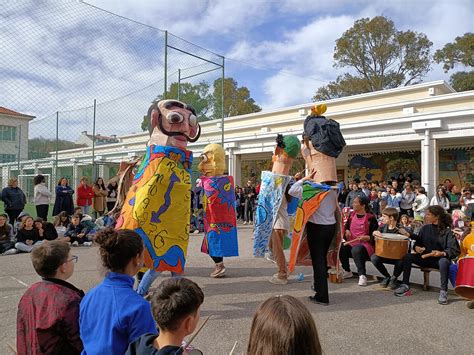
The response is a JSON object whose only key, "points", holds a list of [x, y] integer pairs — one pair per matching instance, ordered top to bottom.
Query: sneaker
{"points": [[244, 223], [196, 231], [75, 244], [87, 244], [10, 252], [270, 257], [219, 271], [347, 274], [362, 280], [277, 281], [384, 283], [393, 283], [403, 290], [443, 297], [470, 304]]}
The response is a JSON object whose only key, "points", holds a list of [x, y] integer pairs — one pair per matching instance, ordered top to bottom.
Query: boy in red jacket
{"points": [[48, 312]]}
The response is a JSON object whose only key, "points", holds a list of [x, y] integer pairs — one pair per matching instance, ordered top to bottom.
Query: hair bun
{"points": [[107, 238]]}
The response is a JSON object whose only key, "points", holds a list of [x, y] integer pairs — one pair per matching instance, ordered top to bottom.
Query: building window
{"points": [[7, 133], [7, 158]]}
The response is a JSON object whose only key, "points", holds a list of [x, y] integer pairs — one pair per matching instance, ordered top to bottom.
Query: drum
{"points": [[391, 246], [465, 278]]}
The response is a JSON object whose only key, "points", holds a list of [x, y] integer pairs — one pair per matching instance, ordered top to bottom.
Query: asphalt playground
{"points": [[359, 320]]}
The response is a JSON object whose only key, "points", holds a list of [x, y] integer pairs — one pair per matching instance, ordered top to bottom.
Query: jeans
{"points": [[85, 209], [42, 211], [319, 239], [25, 248], [356, 252], [379, 262], [442, 264], [147, 281]]}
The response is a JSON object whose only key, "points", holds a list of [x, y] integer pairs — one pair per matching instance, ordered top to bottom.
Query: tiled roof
{"points": [[7, 111]]}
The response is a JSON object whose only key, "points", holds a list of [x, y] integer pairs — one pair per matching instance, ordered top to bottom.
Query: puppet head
{"points": [[173, 123], [322, 144], [285, 152], [212, 160]]}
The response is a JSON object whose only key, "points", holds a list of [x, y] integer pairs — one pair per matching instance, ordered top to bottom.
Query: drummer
{"points": [[389, 218], [358, 239], [435, 247]]}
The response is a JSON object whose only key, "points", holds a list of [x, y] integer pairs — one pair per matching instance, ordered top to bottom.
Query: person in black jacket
{"points": [[250, 195], [14, 199], [63, 201], [46, 230], [434, 247]]}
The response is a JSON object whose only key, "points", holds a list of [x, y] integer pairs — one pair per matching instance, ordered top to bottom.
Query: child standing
{"points": [[176, 305], [48, 312]]}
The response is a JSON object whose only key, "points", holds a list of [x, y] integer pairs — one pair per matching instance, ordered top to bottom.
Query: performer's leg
{"points": [[319, 240], [279, 255], [217, 259], [219, 269], [147, 281]]}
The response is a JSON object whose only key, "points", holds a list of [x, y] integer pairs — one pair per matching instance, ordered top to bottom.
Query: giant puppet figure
{"points": [[158, 200], [272, 221], [220, 223], [317, 232]]}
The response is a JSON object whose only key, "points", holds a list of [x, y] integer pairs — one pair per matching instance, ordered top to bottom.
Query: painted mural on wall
{"points": [[457, 165], [379, 167], [252, 169]]}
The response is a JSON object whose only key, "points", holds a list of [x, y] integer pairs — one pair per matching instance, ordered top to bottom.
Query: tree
{"points": [[459, 52], [380, 56], [198, 96], [237, 100], [42, 147]]}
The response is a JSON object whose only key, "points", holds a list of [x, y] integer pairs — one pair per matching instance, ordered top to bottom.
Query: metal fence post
{"points": [[166, 65], [179, 83], [222, 103], [57, 143], [93, 143]]}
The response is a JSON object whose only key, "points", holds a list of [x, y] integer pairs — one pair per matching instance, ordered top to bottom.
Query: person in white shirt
{"points": [[42, 196], [408, 197], [441, 199], [421, 204]]}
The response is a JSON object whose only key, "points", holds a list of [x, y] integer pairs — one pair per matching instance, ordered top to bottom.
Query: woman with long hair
{"points": [[112, 190], [42, 196], [441, 199], [63, 201], [99, 202], [7, 246], [434, 247], [112, 315], [282, 325]]}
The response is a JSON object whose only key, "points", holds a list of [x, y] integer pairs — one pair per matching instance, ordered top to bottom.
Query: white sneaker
{"points": [[244, 223], [196, 231], [75, 244], [87, 244], [10, 252], [347, 274], [362, 280], [277, 281]]}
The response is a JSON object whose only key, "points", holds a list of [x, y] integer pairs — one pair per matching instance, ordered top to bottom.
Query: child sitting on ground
{"points": [[61, 222], [46, 229], [77, 232], [28, 236], [7, 246], [176, 309], [48, 312], [282, 325]]}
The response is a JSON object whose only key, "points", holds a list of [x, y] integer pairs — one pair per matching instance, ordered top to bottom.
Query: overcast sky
{"points": [[61, 55]]}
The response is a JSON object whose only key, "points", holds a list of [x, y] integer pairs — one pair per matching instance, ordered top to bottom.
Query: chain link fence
{"points": [[77, 83]]}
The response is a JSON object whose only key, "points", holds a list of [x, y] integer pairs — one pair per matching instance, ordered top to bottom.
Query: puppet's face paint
{"points": [[212, 160], [282, 163]]}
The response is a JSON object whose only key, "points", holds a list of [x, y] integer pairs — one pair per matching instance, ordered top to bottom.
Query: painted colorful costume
{"points": [[220, 223]]}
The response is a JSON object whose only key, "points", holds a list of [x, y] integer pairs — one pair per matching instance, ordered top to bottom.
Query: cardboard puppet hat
{"points": [[290, 144]]}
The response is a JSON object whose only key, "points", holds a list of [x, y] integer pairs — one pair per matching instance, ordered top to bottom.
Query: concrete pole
{"points": [[425, 161]]}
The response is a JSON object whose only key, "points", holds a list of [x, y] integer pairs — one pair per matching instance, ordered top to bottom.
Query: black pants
{"points": [[110, 206], [42, 211], [408, 212], [248, 213], [12, 215], [319, 239], [4, 246], [356, 252], [217, 259], [379, 262], [442, 264]]}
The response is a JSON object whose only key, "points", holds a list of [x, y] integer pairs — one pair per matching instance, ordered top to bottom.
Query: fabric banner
{"points": [[272, 191], [313, 195], [157, 207], [292, 208], [220, 222]]}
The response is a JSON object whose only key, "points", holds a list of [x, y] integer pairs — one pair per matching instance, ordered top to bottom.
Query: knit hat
{"points": [[290, 144]]}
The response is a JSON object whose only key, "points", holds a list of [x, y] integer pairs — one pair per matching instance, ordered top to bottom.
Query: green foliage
{"points": [[459, 52], [380, 56], [462, 81], [237, 100], [208, 105], [42, 147]]}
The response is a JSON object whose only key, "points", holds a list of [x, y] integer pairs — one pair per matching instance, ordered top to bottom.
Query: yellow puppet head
{"points": [[212, 160]]}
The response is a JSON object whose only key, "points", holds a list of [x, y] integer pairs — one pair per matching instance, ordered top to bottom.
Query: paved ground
{"points": [[360, 320]]}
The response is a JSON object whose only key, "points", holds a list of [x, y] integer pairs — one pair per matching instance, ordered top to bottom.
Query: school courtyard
{"points": [[359, 320]]}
